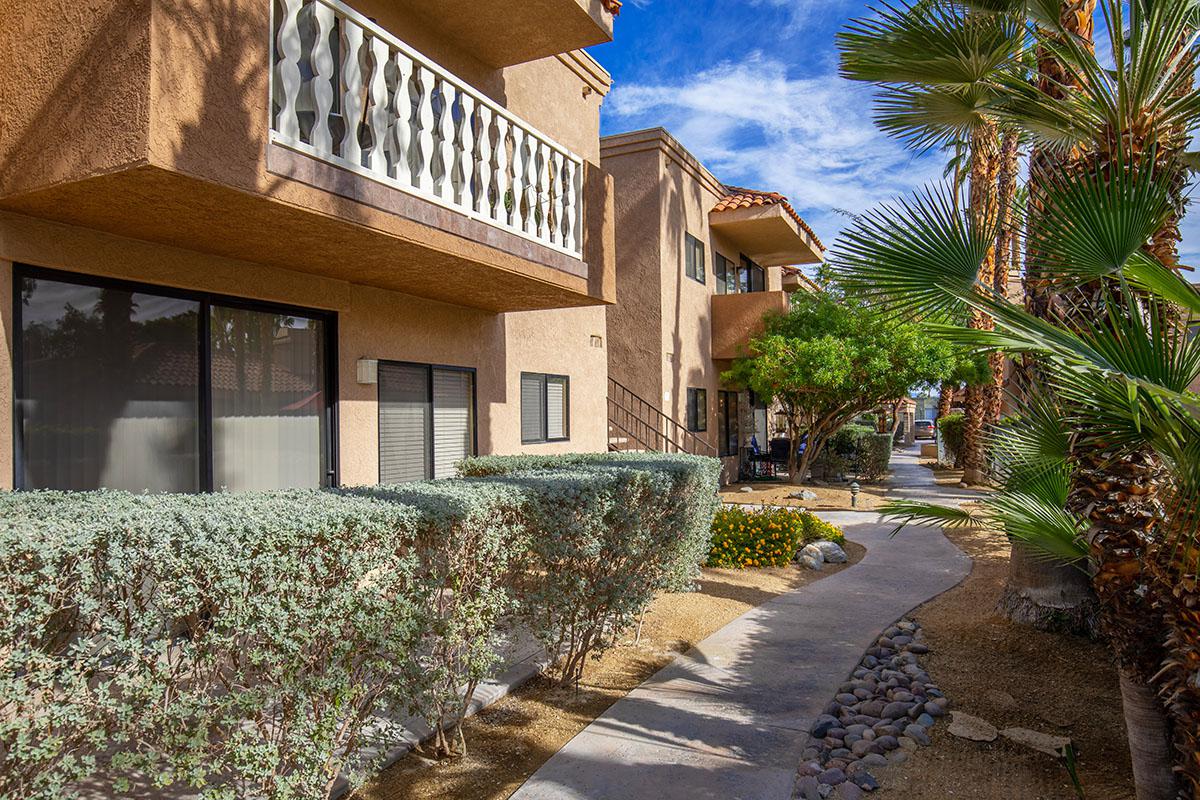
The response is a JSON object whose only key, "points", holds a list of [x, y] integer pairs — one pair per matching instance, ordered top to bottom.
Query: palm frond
{"points": [[928, 43], [924, 117], [920, 254], [908, 512]]}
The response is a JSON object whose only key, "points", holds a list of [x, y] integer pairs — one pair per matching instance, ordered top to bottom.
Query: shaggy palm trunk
{"points": [[983, 201], [1006, 243], [946, 399], [1117, 492], [1177, 569]]}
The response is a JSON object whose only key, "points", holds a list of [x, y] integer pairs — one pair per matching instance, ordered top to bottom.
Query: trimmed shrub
{"points": [[950, 428], [874, 456], [607, 532], [767, 537], [229, 643], [252, 645]]}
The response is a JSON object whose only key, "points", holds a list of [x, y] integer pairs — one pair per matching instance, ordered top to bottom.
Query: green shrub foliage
{"points": [[950, 428], [874, 456], [607, 533], [250, 645]]}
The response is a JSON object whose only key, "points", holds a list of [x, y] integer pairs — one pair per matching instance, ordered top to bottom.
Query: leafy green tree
{"points": [[832, 358]]}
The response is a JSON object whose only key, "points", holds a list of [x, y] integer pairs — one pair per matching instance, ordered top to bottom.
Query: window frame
{"points": [[691, 247], [751, 268], [722, 269], [22, 271], [546, 377], [697, 409], [429, 445]]}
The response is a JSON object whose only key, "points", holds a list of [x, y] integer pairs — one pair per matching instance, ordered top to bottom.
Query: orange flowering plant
{"points": [[769, 537]]}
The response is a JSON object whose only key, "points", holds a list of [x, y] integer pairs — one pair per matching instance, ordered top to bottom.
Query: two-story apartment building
{"points": [[295, 243], [700, 263]]}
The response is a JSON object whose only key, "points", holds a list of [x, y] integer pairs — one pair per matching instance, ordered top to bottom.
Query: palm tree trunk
{"points": [[983, 202], [1006, 241], [946, 399], [1118, 494], [1048, 595], [1149, 741]]}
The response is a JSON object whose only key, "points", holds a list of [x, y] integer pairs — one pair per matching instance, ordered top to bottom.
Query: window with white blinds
{"points": [[545, 408], [453, 419], [426, 421]]}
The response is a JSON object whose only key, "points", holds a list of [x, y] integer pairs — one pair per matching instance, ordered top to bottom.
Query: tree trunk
{"points": [[983, 202], [1006, 243], [946, 399], [1117, 492], [1048, 595], [1149, 740]]}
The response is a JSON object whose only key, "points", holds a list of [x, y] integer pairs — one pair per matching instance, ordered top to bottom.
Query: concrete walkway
{"points": [[729, 719]]}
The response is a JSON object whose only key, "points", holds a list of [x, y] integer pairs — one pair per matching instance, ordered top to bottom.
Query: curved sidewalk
{"points": [[728, 720]]}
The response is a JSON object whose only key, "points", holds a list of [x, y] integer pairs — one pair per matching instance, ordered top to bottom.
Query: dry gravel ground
{"points": [[829, 497], [1012, 677], [510, 740]]}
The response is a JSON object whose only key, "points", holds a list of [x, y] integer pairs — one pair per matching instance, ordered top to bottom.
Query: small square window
{"points": [[694, 258], [545, 408], [697, 410]]}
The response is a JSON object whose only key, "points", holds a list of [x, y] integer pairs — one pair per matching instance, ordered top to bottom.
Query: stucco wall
{"points": [[73, 94], [635, 322], [372, 323]]}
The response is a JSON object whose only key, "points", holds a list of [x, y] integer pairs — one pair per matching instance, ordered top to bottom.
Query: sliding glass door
{"points": [[124, 386], [426, 420]]}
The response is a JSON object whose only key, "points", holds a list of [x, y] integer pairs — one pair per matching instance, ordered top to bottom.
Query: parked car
{"points": [[923, 429]]}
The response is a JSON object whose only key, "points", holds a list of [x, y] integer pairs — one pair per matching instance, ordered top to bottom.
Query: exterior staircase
{"points": [[634, 424]]}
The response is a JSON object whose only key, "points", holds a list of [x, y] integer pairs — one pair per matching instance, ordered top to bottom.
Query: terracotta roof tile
{"points": [[613, 6], [739, 197], [808, 282]]}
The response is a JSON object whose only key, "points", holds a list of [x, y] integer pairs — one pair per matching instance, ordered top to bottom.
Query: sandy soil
{"points": [[832, 496], [1012, 676], [510, 740]]}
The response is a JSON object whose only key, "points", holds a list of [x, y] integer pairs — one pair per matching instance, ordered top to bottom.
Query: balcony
{"points": [[347, 92], [303, 135], [738, 318]]}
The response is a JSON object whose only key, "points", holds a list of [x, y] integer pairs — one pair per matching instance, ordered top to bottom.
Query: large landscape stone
{"points": [[831, 551], [965, 726], [1042, 742]]}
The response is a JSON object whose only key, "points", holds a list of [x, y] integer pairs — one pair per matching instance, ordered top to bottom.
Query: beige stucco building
{"points": [[263, 243], [700, 263]]}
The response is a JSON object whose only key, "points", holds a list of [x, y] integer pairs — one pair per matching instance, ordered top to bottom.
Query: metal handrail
{"points": [[676, 438]]}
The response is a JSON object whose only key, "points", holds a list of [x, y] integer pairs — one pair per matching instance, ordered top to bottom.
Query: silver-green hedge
{"points": [[248, 645]]}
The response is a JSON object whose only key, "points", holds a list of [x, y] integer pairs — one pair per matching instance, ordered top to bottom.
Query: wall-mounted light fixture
{"points": [[368, 371]]}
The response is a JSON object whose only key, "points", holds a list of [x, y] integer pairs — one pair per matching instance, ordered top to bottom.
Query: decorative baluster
{"points": [[287, 70], [352, 94], [401, 119], [321, 137], [446, 149], [468, 150], [377, 160], [484, 172], [424, 176], [503, 184], [540, 186], [554, 198], [570, 200], [521, 209]]}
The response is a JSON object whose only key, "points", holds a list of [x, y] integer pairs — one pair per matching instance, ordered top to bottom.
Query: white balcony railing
{"points": [[348, 92]]}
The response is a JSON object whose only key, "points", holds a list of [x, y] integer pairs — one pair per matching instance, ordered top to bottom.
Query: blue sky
{"points": [[751, 88]]}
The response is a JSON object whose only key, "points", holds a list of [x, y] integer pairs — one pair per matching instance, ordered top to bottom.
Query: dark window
{"points": [[694, 258], [726, 274], [751, 277], [124, 386], [545, 408], [697, 409], [426, 420], [727, 423]]}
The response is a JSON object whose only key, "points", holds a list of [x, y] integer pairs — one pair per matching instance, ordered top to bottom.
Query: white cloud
{"points": [[810, 138]]}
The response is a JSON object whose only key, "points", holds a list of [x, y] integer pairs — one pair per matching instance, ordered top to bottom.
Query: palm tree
{"points": [[934, 64], [1119, 381]]}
